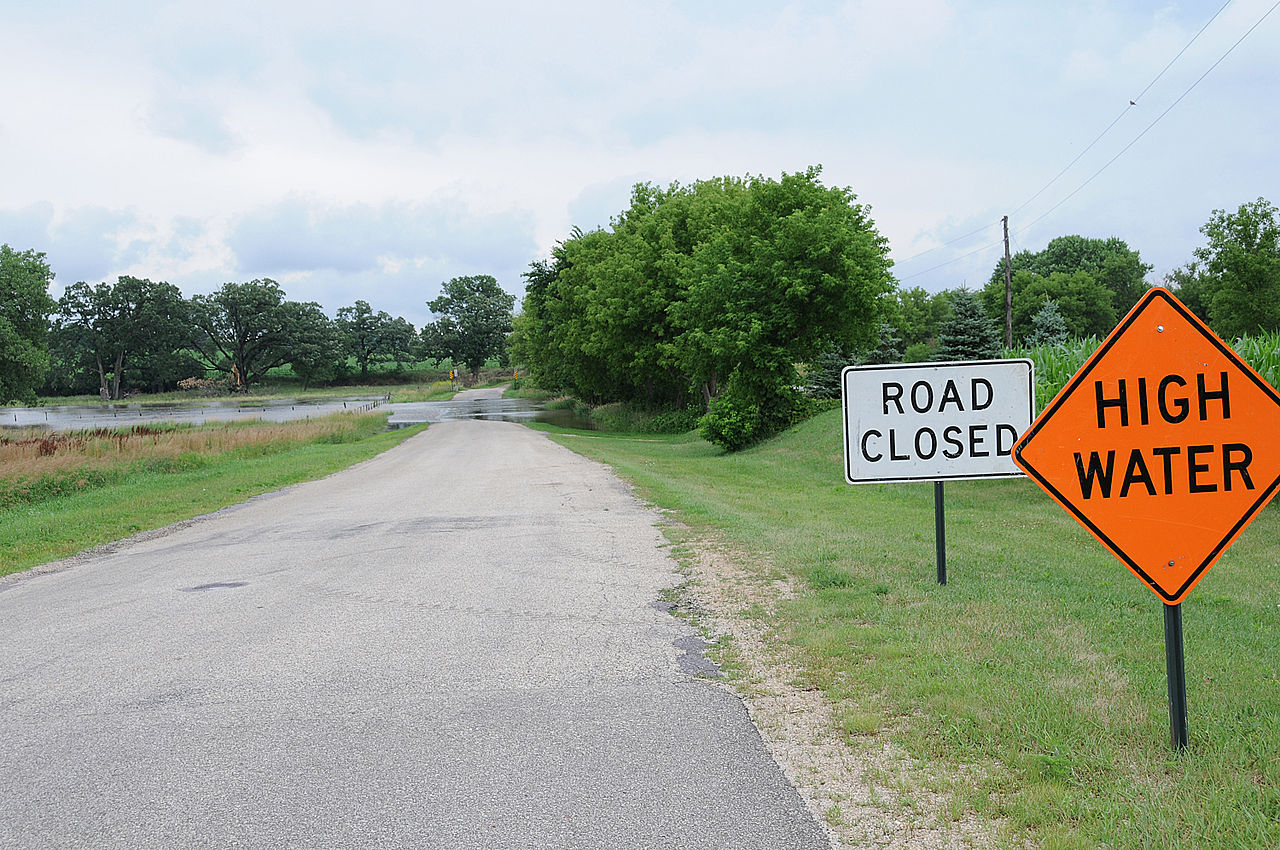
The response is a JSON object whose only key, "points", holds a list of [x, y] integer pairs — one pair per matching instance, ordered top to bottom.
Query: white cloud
{"points": [[378, 149]]}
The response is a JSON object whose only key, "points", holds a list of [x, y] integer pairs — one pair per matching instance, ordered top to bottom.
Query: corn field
{"points": [[1055, 364]]}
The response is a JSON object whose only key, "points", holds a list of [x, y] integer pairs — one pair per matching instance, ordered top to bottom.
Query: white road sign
{"points": [[935, 421]]}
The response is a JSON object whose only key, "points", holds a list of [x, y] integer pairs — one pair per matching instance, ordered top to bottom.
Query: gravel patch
{"points": [[868, 794]]}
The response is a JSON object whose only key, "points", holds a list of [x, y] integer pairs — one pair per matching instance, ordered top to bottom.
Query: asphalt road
{"points": [[454, 645]]}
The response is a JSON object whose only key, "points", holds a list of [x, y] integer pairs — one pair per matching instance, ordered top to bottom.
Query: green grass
{"points": [[522, 388], [436, 391], [145, 496], [1032, 686]]}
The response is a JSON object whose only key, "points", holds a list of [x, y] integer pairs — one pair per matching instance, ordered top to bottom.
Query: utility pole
{"points": [[1008, 289]]}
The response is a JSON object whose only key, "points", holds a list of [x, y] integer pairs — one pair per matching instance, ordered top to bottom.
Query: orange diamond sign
{"points": [[1164, 445]]}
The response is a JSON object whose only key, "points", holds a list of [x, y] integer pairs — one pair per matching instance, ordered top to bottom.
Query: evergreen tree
{"points": [[1047, 326], [968, 334], [888, 346], [823, 381]]}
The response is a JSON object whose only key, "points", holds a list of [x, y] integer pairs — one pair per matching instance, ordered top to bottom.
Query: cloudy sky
{"points": [[373, 150]]}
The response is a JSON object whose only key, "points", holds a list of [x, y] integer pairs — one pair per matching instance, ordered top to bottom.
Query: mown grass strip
{"points": [[142, 495], [1032, 686]]}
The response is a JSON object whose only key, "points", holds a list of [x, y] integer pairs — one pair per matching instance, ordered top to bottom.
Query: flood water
{"points": [[496, 409], [123, 415]]}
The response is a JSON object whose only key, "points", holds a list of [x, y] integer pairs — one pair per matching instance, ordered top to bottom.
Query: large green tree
{"points": [[1109, 263], [783, 269], [1234, 280], [715, 290], [617, 295], [1085, 304], [25, 307], [916, 313], [473, 320], [107, 327], [246, 329], [372, 338], [533, 341], [315, 345]]}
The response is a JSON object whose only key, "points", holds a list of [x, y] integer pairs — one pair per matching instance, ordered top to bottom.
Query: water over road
{"points": [[486, 404], [453, 645]]}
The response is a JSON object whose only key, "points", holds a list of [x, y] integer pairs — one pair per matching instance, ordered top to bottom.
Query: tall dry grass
{"points": [[39, 465]]}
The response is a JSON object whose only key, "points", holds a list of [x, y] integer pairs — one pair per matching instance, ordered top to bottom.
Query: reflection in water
{"points": [[496, 409], [124, 415], [86, 417]]}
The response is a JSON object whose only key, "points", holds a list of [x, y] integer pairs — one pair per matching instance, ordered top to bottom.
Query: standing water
{"points": [[86, 417]]}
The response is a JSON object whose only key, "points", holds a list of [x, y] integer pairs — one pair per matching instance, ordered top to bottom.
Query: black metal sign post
{"points": [[951, 421], [940, 531], [1168, 544], [1175, 664]]}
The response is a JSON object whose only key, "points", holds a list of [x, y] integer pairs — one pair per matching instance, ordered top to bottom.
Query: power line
{"points": [[1184, 50], [1132, 103], [1157, 119], [1099, 137], [1067, 167], [949, 242], [952, 260]]}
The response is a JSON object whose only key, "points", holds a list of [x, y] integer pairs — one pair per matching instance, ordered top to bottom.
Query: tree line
{"points": [[1077, 287], [733, 295], [726, 296], [141, 334]]}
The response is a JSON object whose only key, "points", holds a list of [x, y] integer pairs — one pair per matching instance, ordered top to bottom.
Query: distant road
{"points": [[454, 645]]}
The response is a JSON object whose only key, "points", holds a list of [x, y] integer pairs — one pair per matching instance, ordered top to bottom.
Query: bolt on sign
{"points": [[935, 421], [1164, 446]]}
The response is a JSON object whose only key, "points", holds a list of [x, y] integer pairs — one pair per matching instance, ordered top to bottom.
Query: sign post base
{"points": [[940, 531], [1175, 664]]}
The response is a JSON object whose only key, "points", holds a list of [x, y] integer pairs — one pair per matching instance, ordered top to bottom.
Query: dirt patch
{"points": [[868, 792]]}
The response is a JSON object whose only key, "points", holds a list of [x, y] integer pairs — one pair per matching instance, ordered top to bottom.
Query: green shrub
{"points": [[919, 352], [749, 411], [625, 417], [675, 421], [731, 424], [29, 491]]}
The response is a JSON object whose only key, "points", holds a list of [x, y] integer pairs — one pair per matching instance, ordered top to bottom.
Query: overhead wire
{"points": [[1133, 102], [1155, 121], [948, 242], [952, 260]]}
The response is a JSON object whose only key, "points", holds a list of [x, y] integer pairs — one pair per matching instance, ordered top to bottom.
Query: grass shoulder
{"points": [[111, 486], [1030, 690]]}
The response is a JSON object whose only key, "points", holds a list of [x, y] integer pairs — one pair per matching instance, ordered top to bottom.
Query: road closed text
{"points": [[935, 421]]}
